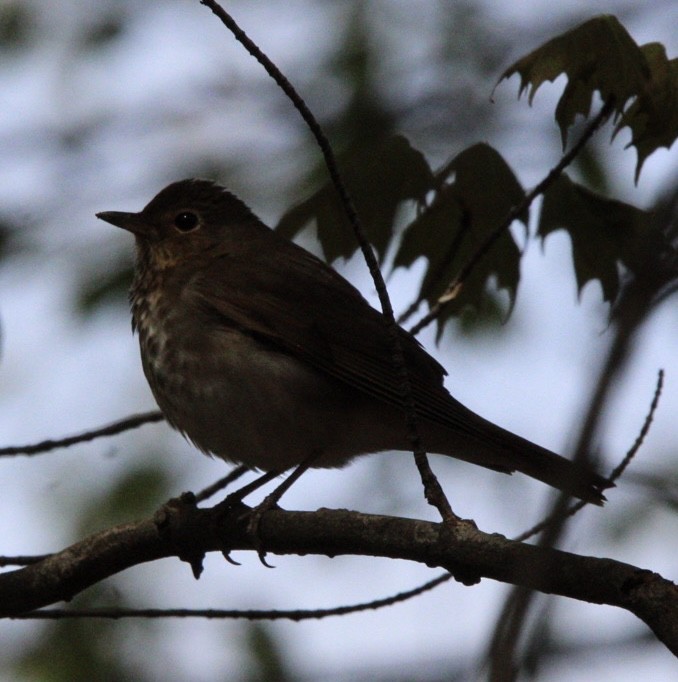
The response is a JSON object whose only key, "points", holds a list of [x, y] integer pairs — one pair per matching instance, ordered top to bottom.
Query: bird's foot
{"points": [[177, 522], [254, 524]]}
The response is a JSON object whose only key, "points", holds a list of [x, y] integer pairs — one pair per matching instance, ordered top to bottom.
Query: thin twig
{"points": [[454, 287], [113, 429], [619, 470], [616, 473], [222, 483], [433, 490], [203, 495], [26, 560], [295, 615]]}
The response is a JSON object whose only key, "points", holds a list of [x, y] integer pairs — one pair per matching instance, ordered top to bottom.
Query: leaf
{"points": [[597, 55], [653, 116], [379, 181], [477, 189], [604, 233]]}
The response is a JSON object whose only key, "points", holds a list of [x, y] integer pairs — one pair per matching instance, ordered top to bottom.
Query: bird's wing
{"points": [[284, 296], [292, 301]]}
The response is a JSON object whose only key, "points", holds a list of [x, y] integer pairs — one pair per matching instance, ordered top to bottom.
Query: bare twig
{"points": [[454, 287], [113, 429], [619, 470], [222, 483], [433, 490], [557, 515], [25, 560], [295, 614]]}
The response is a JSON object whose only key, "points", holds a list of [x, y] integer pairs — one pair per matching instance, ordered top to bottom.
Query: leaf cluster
{"points": [[456, 208]]}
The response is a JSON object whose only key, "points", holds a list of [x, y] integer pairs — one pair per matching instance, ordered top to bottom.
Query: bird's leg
{"points": [[222, 483], [240, 494], [236, 497], [271, 502]]}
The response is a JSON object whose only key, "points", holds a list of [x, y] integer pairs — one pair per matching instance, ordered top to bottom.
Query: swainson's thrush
{"points": [[262, 354]]}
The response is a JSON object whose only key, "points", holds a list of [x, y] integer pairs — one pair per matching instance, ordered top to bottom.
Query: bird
{"points": [[260, 353]]}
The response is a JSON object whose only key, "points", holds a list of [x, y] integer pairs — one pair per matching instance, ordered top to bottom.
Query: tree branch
{"points": [[132, 422], [182, 530]]}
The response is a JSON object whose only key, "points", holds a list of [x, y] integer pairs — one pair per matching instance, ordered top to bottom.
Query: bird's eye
{"points": [[186, 221]]}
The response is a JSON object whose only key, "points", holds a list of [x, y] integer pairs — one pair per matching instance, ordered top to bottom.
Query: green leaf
{"points": [[597, 55], [653, 116], [379, 181], [476, 191], [605, 233]]}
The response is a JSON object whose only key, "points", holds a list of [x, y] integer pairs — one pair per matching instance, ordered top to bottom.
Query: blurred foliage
{"points": [[17, 25], [102, 31], [600, 55], [365, 116], [379, 177], [6, 232], [654, 276], [100, 289], [136, 494], [73, 650], [266, 660]]}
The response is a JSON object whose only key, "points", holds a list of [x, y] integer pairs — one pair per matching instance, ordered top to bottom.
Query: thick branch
{"points": [[187, 532]]}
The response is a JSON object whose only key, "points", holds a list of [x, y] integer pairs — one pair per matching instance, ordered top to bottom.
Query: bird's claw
{"points": [[254, 526]]}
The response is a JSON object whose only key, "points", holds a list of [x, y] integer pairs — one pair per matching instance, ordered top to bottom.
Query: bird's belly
{"points": [[246, 403]]}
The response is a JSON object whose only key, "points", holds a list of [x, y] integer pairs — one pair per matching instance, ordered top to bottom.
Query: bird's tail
{"points": [[496, 448], [576, 479]]}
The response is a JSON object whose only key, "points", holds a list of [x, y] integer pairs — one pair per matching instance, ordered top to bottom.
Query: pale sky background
{"points": [[79, 134]]}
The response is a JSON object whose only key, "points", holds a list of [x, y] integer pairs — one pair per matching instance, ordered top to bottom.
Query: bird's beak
{"points": [[132, 222]]}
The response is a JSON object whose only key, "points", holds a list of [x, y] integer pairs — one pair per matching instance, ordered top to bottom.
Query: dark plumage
{"points": [[261, 353]]}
